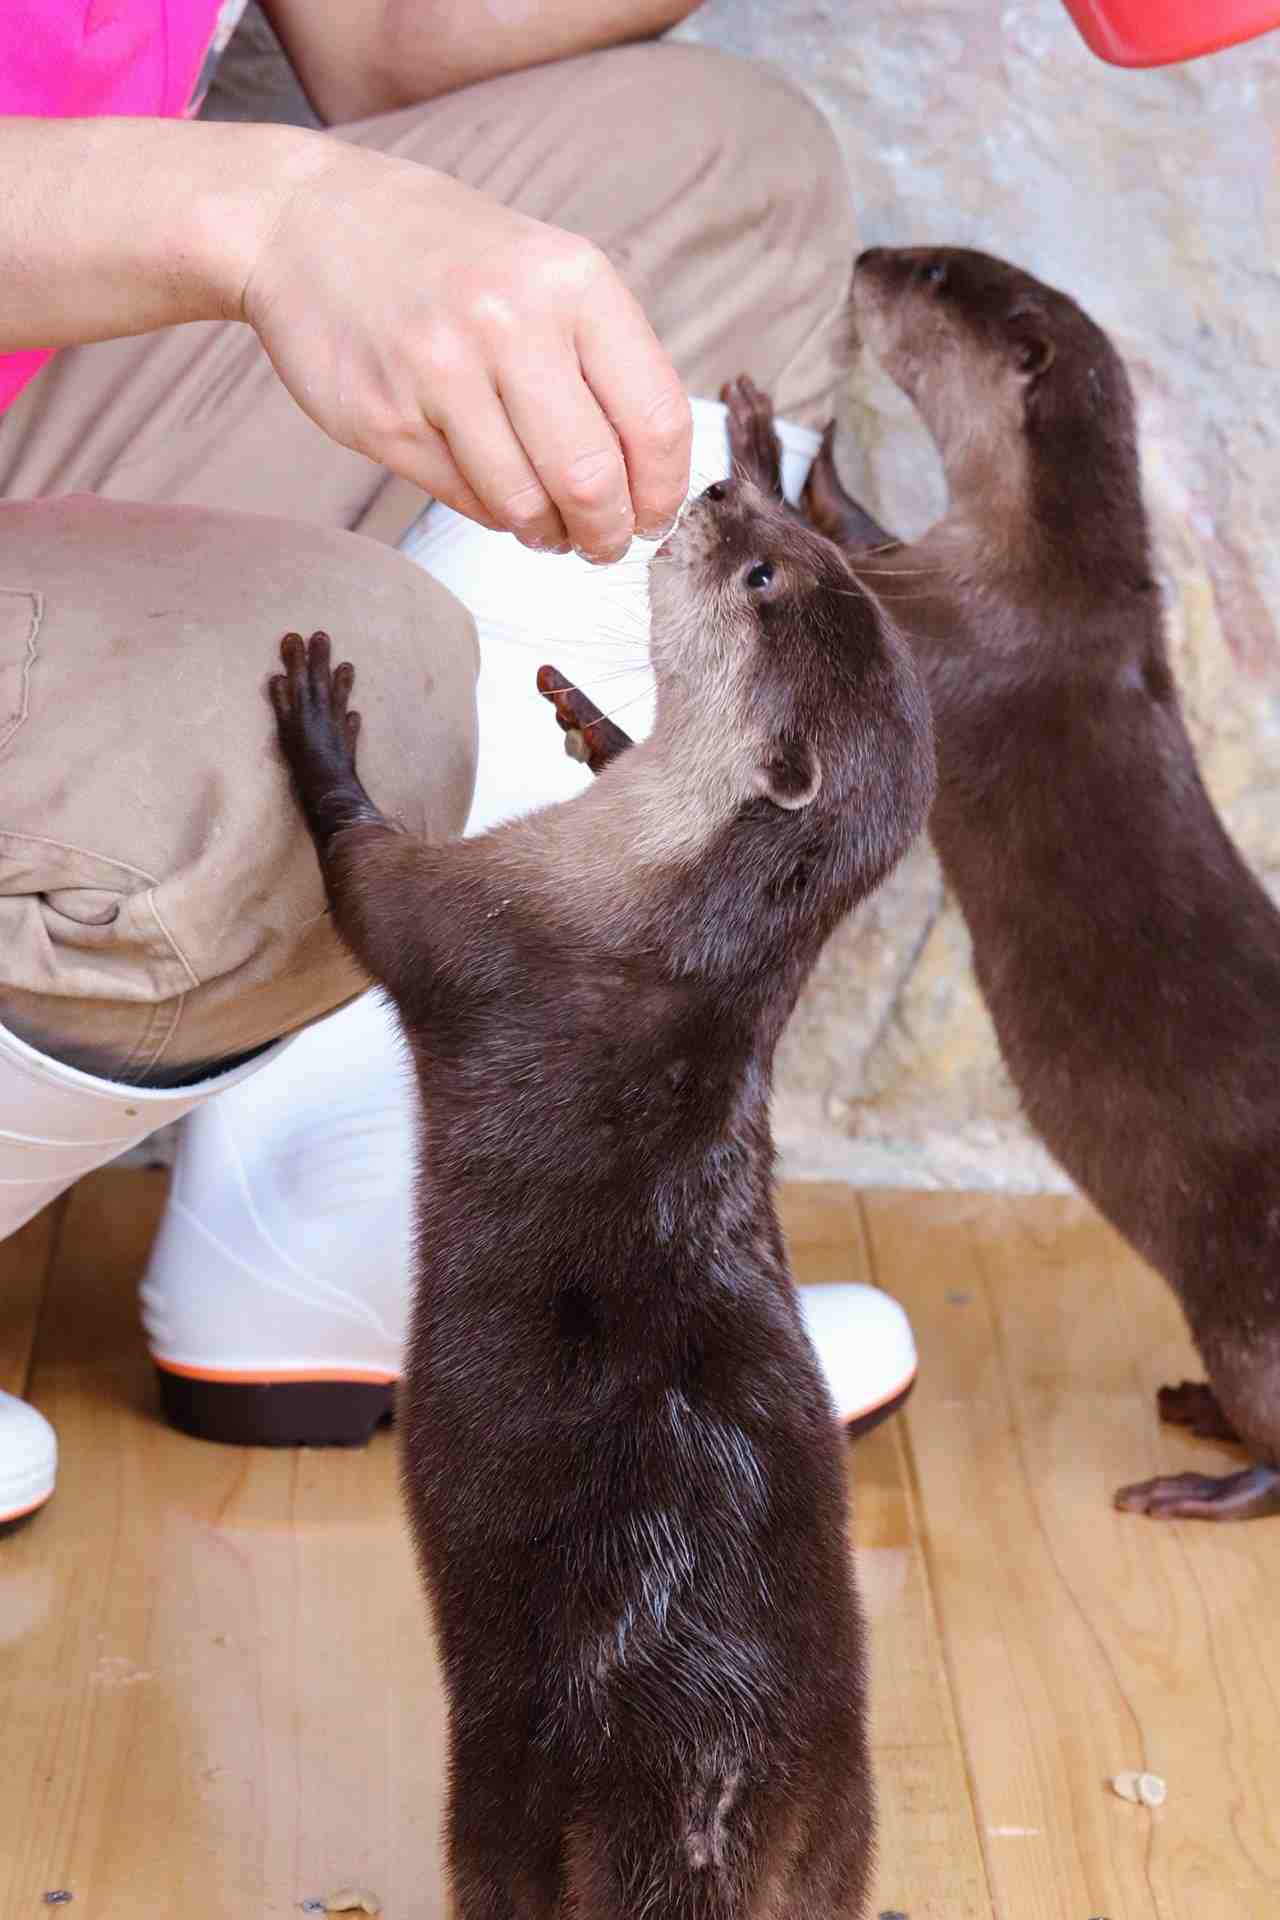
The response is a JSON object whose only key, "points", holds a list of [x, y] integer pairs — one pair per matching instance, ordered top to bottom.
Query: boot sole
{"points": [[275, 1413], [330, 1413], [864, 1423], [20, 1516]]}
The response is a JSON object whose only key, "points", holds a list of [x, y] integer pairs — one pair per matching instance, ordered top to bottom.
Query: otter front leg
{"points": [[753, 443], [833, 511], [589, 736], [318, 738], [365, 861], [1251, 1494]]}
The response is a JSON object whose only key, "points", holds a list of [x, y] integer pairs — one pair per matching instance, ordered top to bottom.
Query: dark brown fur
{"points": [[1130, 960], [624, 1474]]}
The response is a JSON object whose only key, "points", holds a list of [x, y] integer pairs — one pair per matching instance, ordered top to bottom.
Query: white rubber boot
{"points": [[55, 1124], [277, 1291], [277, 1294], [864, 1342], [28, 1459]]}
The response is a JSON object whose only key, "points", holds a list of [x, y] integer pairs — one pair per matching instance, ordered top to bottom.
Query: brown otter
{"points": [[1130, 960], [621, 1463]]}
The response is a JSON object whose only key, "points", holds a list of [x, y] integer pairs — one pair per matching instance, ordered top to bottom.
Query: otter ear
{"points": [[1033, 350], [789, 775]]}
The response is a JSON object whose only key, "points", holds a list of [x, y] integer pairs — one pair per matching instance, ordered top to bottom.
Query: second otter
{"points": [[1129, 959]]}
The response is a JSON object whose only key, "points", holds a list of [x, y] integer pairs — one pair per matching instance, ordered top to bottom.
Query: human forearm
{"points": [[116, 226], [500, 364]]}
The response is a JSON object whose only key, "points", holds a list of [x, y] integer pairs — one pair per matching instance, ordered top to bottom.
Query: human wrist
{"points": [[239, 204]]}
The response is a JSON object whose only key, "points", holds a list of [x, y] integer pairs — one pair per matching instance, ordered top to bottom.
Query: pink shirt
{"points": [[66, 59]]}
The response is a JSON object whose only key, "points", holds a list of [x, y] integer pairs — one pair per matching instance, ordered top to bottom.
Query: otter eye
{"points": [[936, 273], [760, 575]]}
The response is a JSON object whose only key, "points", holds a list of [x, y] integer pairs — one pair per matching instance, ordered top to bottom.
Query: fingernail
{"points": [[659, 530]]}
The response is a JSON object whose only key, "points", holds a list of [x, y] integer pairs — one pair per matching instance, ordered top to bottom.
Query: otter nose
{"points": [[720, 490]]}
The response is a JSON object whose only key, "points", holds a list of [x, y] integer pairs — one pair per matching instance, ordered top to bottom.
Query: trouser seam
{"points": [[36, 599], [84, 853], [177, 951]]}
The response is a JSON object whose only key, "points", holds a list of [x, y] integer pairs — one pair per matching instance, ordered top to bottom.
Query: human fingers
{"points": [[642, 397], [570, 444]]}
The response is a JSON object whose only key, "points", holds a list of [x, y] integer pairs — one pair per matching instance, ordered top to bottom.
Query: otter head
{"points": [[1016, 384], [784, 689]]}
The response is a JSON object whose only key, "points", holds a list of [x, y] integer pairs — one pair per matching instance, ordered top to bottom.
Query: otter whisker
{"points": [[889, 573], [616, 646], [601, 680], [613, 712]]}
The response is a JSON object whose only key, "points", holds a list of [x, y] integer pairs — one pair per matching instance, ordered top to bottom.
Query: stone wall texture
{"points": [[1154, 198]]}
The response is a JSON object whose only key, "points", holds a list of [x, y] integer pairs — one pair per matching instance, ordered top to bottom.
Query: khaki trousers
{"points": [[167, 512]]}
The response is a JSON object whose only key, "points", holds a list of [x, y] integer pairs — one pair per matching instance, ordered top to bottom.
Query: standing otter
{"points": [[1129, 959], [622, 1466]]}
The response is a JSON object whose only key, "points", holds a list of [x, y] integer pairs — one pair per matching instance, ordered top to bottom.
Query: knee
{"points": [[765, 160], [742, 245], [436, 637], [416, 655], [175, 912]]}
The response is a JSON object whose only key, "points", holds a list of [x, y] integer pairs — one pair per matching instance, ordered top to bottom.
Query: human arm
{"points": [[115, 226], [413, 318]]}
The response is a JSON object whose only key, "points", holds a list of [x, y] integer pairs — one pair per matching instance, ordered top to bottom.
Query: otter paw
{"points": [[753, 440], [823, 498], [833, 511], [317, 731], [589, 736], [1194, 1405], [1248, 1495]]}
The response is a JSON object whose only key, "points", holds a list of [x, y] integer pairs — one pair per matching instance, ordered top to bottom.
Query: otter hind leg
{"points": [[1240, 1404], [1195, 1405], [1251, 1494]]}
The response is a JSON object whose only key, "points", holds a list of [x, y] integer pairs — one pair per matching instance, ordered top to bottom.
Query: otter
{"points": [[1129, 958], [622, 1468]]}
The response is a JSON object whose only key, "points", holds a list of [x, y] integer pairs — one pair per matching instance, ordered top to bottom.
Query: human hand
{"points": [[495, 361]]}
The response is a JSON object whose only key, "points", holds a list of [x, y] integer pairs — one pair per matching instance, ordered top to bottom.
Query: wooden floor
{"points": [[217, 1690]]}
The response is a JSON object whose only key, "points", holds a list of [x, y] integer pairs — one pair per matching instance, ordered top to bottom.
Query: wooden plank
{"points": [[24, 1262], [1080, 1641], [216, 1679], [220, 1696], [930, 1860]]}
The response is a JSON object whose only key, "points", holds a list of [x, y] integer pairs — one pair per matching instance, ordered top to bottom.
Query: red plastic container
{"points": [[1154, 33]]}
